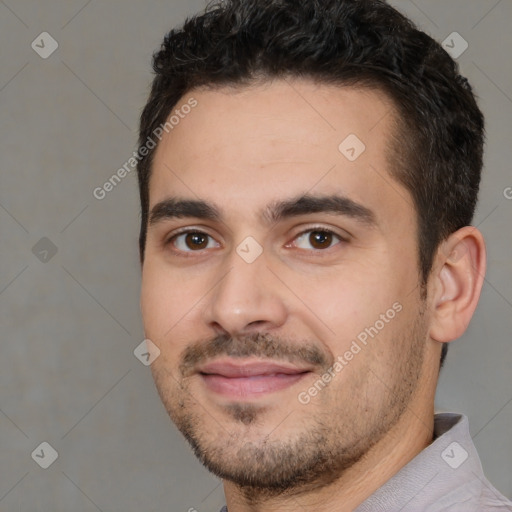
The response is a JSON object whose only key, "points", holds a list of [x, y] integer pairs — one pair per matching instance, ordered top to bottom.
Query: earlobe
{"points": [[459, 275]]}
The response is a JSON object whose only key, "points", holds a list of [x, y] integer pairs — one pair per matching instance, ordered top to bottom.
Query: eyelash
{"points": [[340, 239]]}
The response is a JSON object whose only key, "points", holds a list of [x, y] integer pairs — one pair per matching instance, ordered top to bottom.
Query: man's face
{"points": [[281, 282]]}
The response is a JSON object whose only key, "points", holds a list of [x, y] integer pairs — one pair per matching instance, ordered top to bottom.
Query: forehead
{"points": [[244, 147]]}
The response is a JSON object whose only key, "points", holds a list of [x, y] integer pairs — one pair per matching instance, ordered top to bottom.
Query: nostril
{"points": [[256, 323]]}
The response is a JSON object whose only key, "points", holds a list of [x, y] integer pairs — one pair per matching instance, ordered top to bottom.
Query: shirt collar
{"points": [[445, 472]]}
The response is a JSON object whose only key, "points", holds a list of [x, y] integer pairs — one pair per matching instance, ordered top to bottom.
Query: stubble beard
{"points": [[333, 434]]}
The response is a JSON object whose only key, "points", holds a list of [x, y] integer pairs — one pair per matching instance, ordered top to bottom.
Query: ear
{"points": [[458, 277]]}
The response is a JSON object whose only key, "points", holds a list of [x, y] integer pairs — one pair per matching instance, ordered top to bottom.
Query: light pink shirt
{"points": [[446, 476]]}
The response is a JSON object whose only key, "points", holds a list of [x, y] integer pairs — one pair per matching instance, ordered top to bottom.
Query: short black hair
{"points": [[437, 146]]}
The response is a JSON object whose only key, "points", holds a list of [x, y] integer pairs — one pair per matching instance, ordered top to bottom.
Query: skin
{"points": [[241, 150]]}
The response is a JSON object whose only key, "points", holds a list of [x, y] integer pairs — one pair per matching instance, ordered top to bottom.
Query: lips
{"points": [[232, 369], [238, 379]]}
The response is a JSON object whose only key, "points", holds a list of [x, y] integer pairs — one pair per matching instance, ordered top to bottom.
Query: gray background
{"points": [[70, 324]]}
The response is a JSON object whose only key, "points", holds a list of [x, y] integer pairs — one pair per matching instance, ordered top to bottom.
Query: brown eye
{"points": [[317, 239], [320, 239], [193, 241], [196, 241]]}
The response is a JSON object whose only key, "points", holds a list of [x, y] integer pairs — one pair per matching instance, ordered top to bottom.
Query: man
{"points": [[307, 255]]}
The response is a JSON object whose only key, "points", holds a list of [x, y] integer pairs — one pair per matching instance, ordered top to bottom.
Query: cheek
{"points": [[346, 299], [357, 316]]}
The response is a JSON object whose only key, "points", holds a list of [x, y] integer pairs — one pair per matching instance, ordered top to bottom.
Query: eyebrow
{"points": [[307, 204], [172, 208], [276, 211]]}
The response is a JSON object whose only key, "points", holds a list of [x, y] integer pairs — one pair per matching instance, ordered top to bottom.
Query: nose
{"points": [[247, 299]]}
